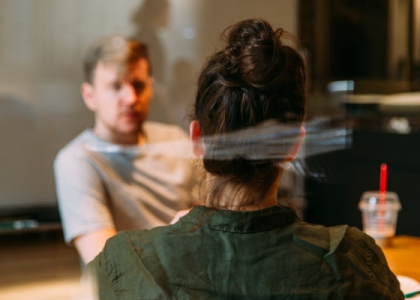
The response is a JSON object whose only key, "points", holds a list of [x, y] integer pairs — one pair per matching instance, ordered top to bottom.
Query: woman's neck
{"points": [[235, 198]]}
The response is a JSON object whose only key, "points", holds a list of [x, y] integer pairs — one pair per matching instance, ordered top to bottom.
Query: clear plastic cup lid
{"points": [[371, 199]]}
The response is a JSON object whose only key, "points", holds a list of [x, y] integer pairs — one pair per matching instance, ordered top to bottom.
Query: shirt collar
{"points": [[240, 221]]}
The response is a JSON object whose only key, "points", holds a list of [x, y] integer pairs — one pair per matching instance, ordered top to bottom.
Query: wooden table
{"points": [[403, 256], [38, 266]]}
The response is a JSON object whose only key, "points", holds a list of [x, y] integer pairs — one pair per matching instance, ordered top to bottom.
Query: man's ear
{"points": [[88, 95], [196, 140], [295, 149]]}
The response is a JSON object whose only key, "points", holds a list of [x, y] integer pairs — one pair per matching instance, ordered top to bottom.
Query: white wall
{"points": [[41, 46]]}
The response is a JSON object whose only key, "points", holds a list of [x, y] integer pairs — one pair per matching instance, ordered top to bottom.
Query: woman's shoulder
{"points": [[127, 239], [328, 240], [138, 243], [123, 251], [354, 255], [123, 268]]}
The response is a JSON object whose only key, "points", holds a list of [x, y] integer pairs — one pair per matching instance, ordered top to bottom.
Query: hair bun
{"points": [[253, 53]]}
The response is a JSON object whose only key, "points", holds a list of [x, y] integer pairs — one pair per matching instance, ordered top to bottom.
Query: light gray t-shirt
{"points": [[102, 185]]}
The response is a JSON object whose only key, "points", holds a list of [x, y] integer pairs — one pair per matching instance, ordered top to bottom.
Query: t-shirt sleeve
{"points": [[82, 197]]}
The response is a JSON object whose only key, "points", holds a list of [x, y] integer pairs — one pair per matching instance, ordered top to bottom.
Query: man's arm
{"points": [[81, 193], [89, 245]]}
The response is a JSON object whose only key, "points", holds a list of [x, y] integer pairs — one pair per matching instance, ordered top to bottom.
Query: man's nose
{"points": [[129, 94]]}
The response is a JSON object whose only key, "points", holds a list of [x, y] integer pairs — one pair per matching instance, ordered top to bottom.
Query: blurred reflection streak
{"points": [[268, 141], [320, 141]]}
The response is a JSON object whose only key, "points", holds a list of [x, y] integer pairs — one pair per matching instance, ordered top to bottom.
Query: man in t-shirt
{"points": [[123, 173]]}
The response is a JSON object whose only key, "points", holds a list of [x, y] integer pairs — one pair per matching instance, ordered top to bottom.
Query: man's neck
{"points": [[138, 138]]}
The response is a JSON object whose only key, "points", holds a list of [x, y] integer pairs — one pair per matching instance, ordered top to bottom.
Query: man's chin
{"points": [[128, 130]]}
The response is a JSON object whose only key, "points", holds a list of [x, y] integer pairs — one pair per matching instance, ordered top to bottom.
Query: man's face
{"points": [[120, 101]]}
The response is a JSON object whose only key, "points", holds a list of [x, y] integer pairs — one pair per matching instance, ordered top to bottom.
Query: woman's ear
{"points": [[88, 95], [196, 140], [295, 149]]}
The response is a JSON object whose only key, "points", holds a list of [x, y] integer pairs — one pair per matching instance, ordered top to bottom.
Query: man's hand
{"points": [[180, 214]]}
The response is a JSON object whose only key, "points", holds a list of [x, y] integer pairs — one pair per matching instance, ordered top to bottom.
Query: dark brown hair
{"points": [[117, 49], [255, 78]]}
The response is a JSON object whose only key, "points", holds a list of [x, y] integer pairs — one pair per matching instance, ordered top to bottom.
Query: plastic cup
{"points": [[379, 215]]}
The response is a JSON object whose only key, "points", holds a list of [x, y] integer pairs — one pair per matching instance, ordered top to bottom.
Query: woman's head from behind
{"points": [[255, 79]]}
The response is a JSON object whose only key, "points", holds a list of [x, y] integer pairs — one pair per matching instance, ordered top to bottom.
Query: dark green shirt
{"points": [[264, 254]]}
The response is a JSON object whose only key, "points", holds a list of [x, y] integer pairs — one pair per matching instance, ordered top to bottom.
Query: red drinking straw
{"points": [[382, 183], [382, 192]]}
